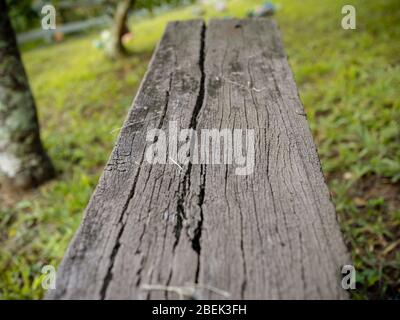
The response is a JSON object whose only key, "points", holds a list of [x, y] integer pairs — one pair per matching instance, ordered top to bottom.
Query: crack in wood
{"points": [[186, 180], [196, 241], [109, 275]]}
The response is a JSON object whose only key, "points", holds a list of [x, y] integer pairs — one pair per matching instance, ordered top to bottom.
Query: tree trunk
{"points": [[115, 48], [23, 161]]}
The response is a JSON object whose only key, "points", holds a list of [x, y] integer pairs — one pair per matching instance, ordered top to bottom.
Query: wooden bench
{"points": [[201, 230]]}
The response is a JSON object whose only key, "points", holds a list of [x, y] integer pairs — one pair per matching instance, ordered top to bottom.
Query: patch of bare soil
{"points": [[372, 187], [9, 198]]}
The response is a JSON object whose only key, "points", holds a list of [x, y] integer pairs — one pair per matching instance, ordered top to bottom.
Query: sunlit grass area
{"points": [[348, 81]]}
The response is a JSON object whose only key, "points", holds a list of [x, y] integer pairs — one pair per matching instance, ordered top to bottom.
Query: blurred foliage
{"points": [[26, 14], [22, 15], [348, 81]]}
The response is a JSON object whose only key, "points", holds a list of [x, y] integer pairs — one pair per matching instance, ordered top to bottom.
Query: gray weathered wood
{"points": [[201, 228]]}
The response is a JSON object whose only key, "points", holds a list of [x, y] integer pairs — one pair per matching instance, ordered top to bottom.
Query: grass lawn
{"points": [[348, 81]]}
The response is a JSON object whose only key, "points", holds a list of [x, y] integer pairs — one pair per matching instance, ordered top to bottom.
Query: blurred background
{"points": [[84, 76]]}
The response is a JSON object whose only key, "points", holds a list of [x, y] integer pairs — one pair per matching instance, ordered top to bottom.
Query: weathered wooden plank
{"points": [[132, 214], [268, 234], [271, 234]]}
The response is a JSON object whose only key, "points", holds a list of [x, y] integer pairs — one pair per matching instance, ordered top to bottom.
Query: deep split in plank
{"points": [[200, 230]]}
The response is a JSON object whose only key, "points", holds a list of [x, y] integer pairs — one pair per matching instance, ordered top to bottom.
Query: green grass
{"points": [[348, 81]]}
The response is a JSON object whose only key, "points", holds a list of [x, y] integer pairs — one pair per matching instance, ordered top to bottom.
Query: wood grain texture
{"points": [[201, 228]]}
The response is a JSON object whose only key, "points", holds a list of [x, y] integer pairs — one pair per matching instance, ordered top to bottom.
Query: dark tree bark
{"points": [[115, 48], [23, 161]]}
